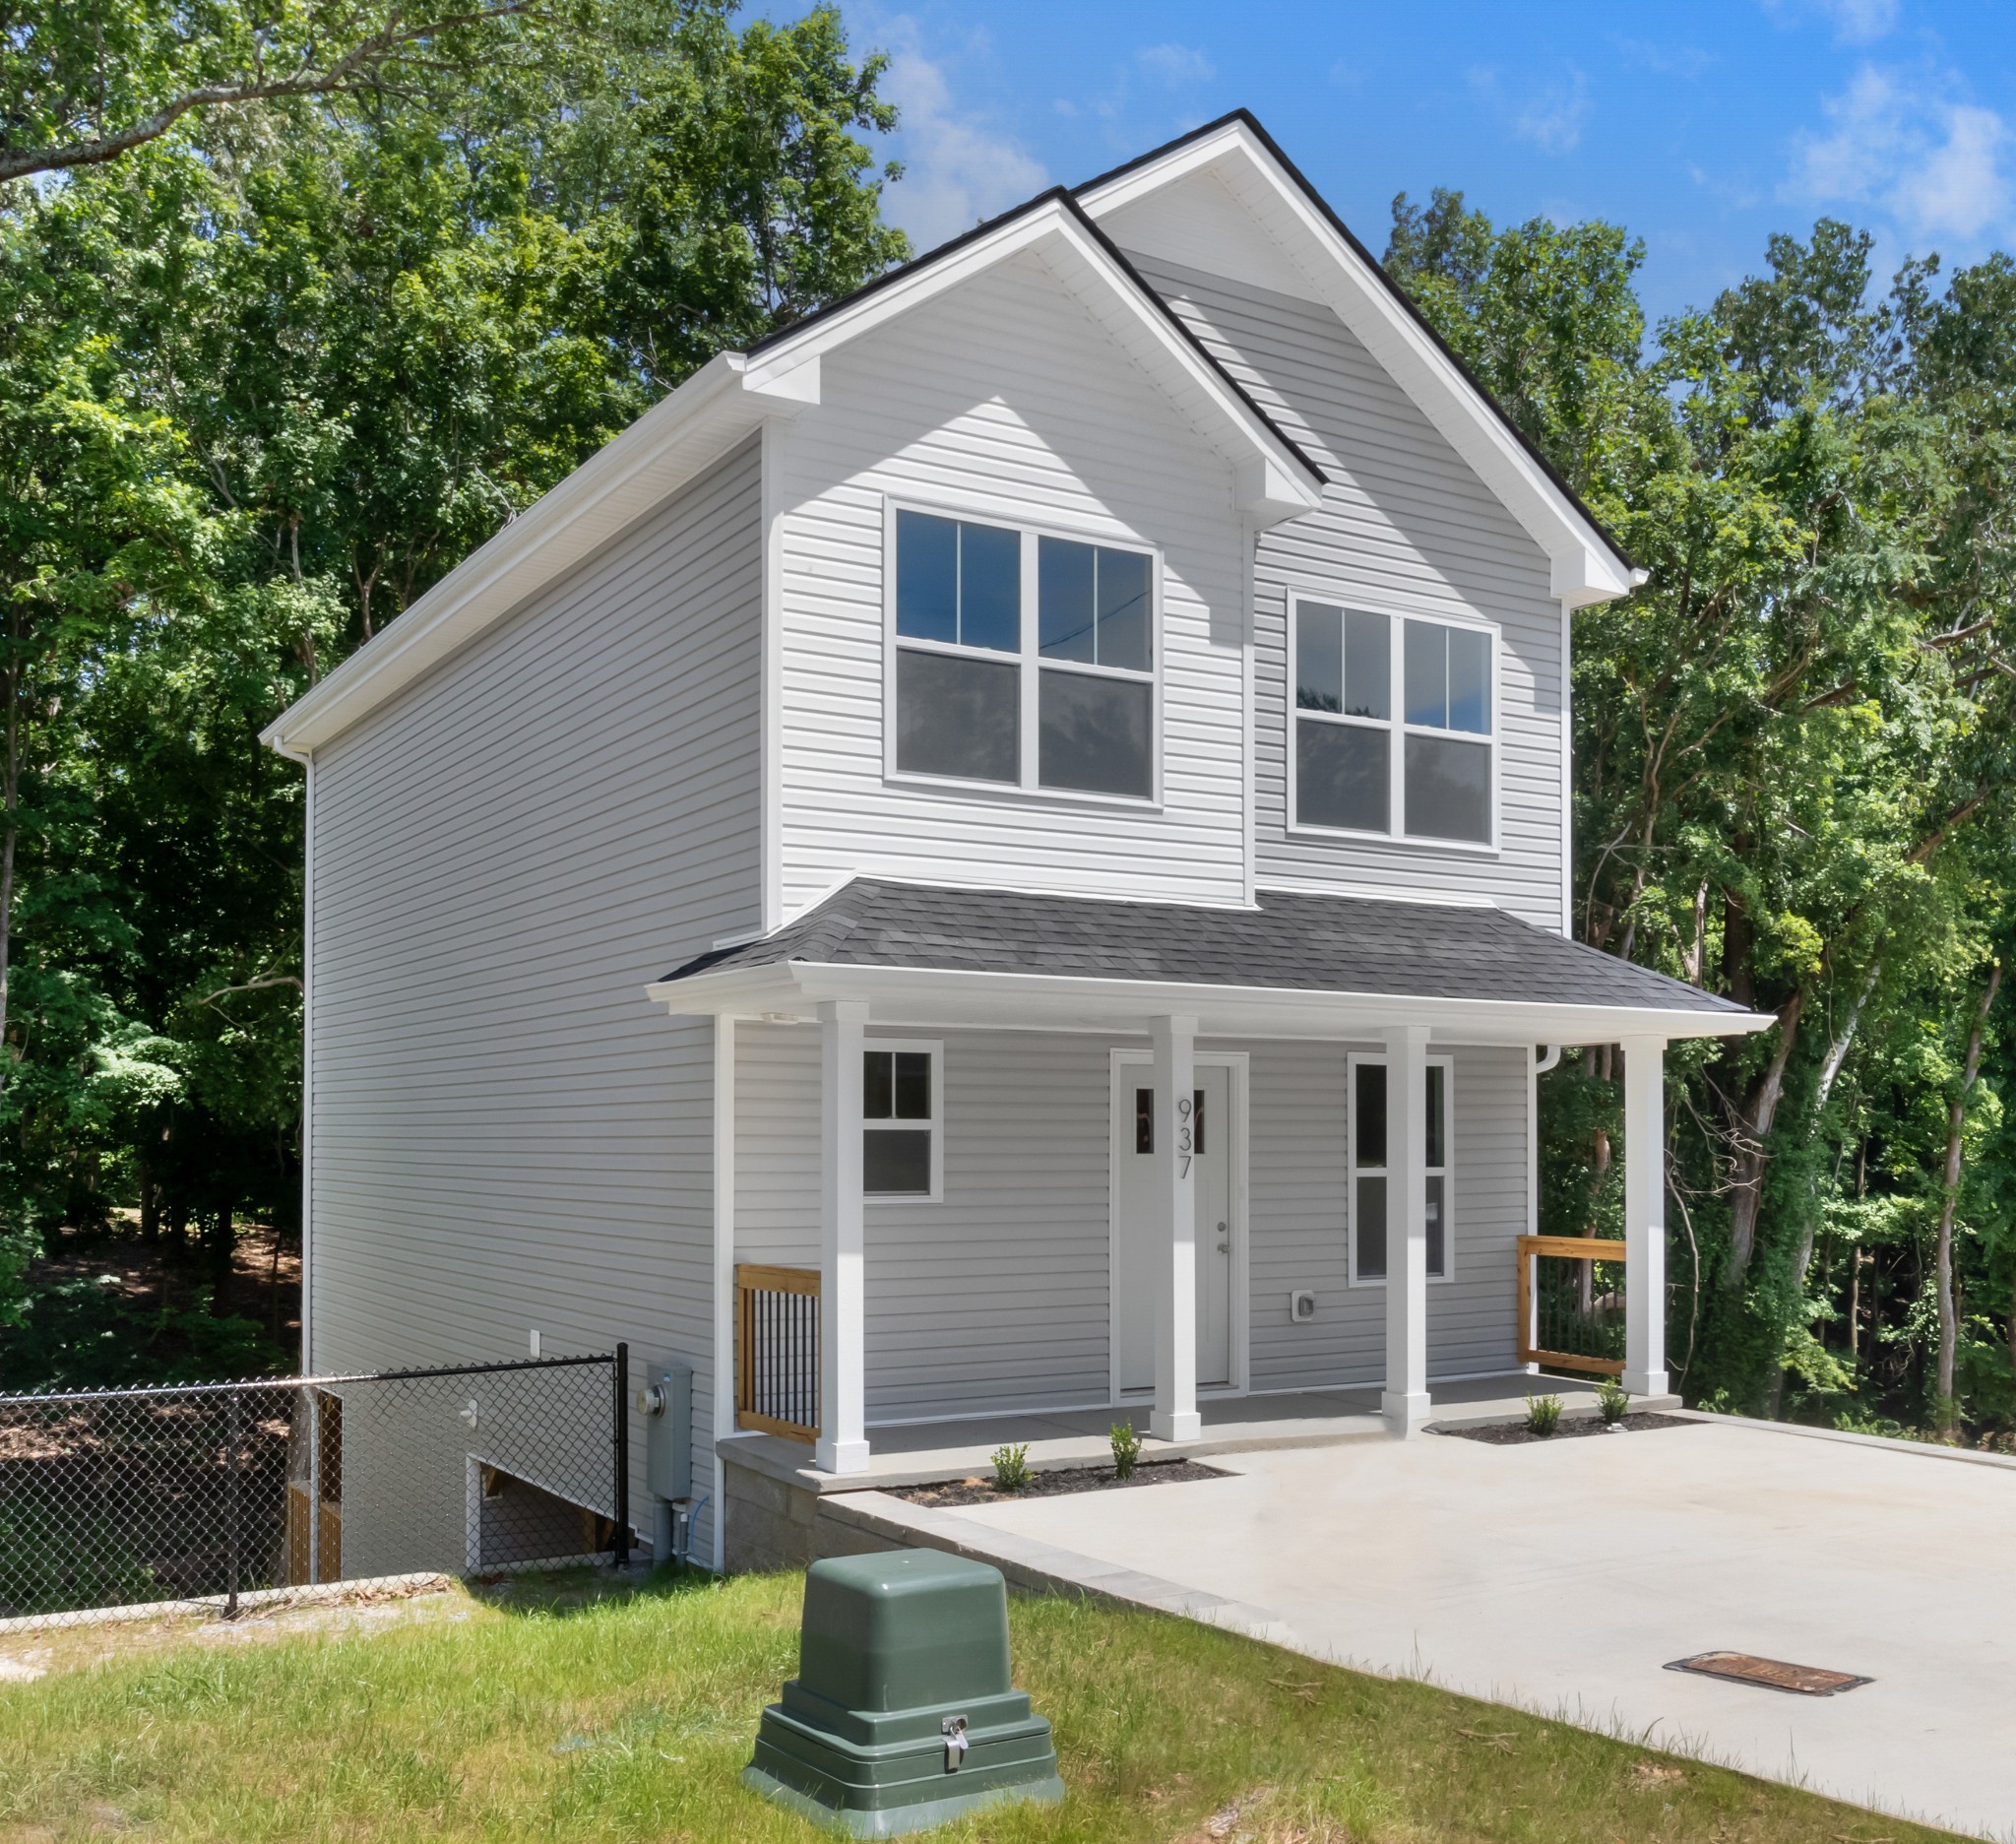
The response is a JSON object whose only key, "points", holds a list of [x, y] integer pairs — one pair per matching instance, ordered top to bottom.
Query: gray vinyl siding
{"points": [[1004, 401], [1405, 528], [506, 1134], [1300, 1224], [998, 1297], [994, 1299]]}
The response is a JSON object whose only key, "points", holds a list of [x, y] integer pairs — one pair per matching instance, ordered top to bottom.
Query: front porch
{"points": [[1250, 1177]]}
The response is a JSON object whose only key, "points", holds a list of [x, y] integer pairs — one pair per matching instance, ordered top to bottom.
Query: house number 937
{"points": [[1185, 1145]]}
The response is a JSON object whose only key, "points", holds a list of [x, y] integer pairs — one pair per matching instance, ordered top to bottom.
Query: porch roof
{"points": [[1465, 966]]}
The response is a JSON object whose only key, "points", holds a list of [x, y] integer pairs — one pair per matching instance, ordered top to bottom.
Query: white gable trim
{"points": [[713, 412], [1272, 478], [1586, 564]]}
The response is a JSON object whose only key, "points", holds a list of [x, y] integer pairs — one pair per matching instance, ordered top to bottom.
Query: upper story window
{"points": [[1022, 659], [1393, 725]]}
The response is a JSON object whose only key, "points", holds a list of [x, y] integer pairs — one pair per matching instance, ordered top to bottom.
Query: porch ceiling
{"points": [[1298, 963]]}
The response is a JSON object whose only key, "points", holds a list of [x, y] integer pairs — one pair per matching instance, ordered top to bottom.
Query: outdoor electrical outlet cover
{"points": [[902, 1716]]}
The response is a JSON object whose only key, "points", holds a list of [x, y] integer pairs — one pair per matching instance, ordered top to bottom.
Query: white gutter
{"points": [[1037, 1000]]}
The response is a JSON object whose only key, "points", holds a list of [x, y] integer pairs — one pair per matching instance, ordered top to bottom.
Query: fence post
{"points": [[621, 1370], [232, 1421]]}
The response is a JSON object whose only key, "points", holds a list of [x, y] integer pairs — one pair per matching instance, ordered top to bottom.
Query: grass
{"points": [[562, 1714]]}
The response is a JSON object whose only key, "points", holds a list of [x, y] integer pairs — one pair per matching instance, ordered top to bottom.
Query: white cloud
{"points": [[1854, 22], [1663, 60], [1175, 64], [1552, 117], [1552, 120], [1895, 141], [957, 169]]}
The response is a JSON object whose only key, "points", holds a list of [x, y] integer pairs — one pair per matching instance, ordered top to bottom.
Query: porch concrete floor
{"points": [[919, 1453], [1563, 1576]]}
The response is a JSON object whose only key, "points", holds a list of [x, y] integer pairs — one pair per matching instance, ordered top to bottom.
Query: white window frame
{"points": [[1029, 661], [1397, 728], [1446, 1171], [936, 1194]]}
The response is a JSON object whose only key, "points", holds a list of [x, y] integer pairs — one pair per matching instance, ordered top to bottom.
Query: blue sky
{"points": [[1702, 128]]}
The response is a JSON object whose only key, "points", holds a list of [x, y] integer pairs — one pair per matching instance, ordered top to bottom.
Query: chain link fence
{"points": [[203, 1492]]}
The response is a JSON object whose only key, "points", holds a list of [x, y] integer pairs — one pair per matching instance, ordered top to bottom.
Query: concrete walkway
{"points": [[1563, 1576]]}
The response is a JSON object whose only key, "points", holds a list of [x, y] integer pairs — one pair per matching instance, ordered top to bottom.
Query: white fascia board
{"points": [[719, 406], [1273, 481], [1585, 567], [1042, 1002]]}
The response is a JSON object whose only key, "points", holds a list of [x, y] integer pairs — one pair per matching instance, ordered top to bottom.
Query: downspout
{"points": [[306, 1357]]}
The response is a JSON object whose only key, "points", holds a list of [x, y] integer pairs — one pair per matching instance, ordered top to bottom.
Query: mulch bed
{"points": [[1572, 1428], [978, 1490]]}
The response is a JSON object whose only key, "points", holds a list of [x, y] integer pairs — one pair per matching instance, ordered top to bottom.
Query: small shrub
{"points": [[1612, 1401], [1542, 1413], [1126, 1450], [1011, 1467]]}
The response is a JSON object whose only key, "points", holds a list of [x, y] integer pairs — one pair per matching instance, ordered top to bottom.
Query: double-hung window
{"points": [[1023, 659], [1393, 728], [902, 1153], [1373, 1184]]}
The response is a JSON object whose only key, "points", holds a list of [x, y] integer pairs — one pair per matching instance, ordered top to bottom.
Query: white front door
{"points": [[1136, 1234]]}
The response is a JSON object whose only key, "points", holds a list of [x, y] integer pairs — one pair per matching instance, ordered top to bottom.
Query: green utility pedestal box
{"points": [[902, 1715]]}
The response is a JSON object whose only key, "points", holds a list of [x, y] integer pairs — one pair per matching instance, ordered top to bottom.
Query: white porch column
{"points": [[1645, 1216], [843, 1263], [1405, 1399], [1175, 1417]]}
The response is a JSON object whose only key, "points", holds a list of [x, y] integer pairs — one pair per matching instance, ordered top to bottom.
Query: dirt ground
{"points": [[264, 1284], [342, 1607]]}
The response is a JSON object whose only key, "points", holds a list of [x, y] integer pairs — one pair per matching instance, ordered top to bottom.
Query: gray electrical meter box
{"points": [[668, 1405]]}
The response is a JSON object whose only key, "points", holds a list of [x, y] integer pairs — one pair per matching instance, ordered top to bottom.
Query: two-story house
{"points": [[1072, 741]]}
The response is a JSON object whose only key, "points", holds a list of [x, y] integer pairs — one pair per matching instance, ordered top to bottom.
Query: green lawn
{"points": [[566, 1716]]}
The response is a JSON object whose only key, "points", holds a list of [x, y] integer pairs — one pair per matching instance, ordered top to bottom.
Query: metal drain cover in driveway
{"points": [[1772, 1674]]}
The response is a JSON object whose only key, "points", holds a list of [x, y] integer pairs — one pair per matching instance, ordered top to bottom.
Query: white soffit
{"points": [[1292, 235]]}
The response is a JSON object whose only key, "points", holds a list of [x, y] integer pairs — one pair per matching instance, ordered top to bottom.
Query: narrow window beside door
{"points": [[1368, 1185]]}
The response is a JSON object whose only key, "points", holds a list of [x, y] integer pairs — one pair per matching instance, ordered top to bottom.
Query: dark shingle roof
{"points": [[1293, 942]]}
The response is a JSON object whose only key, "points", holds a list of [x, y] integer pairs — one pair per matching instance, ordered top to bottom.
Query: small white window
{"points": [[1022, 659], [1392, 725], [901, 1154], [1368, 1207]]}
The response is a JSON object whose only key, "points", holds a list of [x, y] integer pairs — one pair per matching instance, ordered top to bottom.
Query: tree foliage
{"points": [[265, 377], [1795, 751]]}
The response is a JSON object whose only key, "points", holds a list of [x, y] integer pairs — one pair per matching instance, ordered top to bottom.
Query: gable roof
{"points": [[779, 377], [1589, 563], [1297, 945]]}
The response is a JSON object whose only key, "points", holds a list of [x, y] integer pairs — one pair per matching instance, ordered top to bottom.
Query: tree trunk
{"points": [[1752, 1129], [1949, 1198]]}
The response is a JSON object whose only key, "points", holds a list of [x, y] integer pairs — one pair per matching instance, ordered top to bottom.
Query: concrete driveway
{"points": [[1562, 1576]]}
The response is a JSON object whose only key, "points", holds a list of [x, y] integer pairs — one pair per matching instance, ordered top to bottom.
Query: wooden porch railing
{"points": [[1571, 1304], [776, 1350]]}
